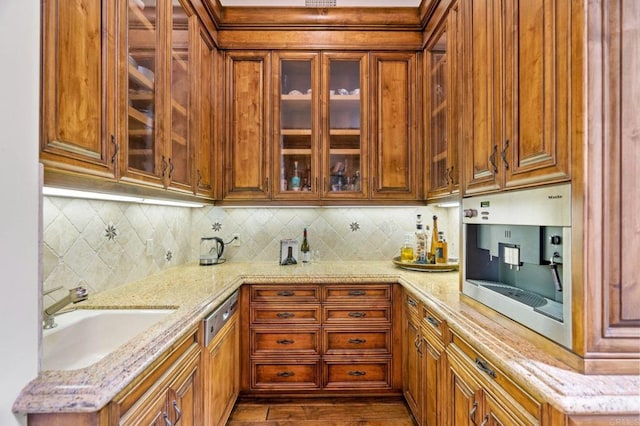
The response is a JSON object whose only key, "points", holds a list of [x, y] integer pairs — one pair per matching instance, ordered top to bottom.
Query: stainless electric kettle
{"points": [[211, 249]]}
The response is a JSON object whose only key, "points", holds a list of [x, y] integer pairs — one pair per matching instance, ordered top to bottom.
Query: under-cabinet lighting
{"points": [[88, 195], [450, 204]]}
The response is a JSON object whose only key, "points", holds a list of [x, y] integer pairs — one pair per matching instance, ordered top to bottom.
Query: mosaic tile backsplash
{"points": [[104, 244]]}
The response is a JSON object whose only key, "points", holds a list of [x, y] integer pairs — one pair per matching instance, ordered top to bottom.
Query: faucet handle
{"points": [[78, 294]]}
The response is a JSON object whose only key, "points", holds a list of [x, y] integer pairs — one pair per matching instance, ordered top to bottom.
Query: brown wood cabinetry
{"points": [[442, 106], [518, 109], [76, 119], [248, 130], [395, 159], [606, 315], [319, 338], [423, 362], [221, 371]]}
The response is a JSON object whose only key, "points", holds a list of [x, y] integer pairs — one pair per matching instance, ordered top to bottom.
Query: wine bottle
{"points": [[295, 179], [434, 240], [421, 241], [304, 248]]}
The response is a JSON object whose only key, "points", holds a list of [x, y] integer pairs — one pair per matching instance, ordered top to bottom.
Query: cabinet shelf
{"points": [[140, 16], [441, 61], [139, 78], [296, 98], [339, 98], [179, 107], [439, 108], [140, 117], [295, 132], [344, 132], [179, 139], [296, 151], [344, 151], [142, 152], [439, 157]]}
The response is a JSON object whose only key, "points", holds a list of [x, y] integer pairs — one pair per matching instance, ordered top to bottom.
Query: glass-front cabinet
{"points": [[156, 93], [319, 105], [296, 109], [344, 138]]}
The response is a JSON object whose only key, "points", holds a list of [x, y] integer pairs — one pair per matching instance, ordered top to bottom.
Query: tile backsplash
{"points": [[104, 244]]}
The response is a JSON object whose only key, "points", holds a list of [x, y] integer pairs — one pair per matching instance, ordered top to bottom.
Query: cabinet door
{"points": [[443, 79], [482, 96], [538, 97], [140, 98], [75, 115], [393, 122], [203, 125], [296, 125], [344, 131], [179, 138], [246, 153], [412, 367], [222, 374], [432, 389], [463, 396], [184, 403], [149, 410]]}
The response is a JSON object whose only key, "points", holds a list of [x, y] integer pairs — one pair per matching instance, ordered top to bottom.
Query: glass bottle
{"points": [[295, 179], [434, 240], [421, 241], [304, 248], [441, 249], [406, 251], [290, 260]]}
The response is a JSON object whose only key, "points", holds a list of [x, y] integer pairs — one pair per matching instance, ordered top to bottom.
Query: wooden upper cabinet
{"points": [[76, 77], [443, 82], [517, 97], [204, 125], [248, 136], [394, 157]]}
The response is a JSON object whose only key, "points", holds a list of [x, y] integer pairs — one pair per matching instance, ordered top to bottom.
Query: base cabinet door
{"points": [[411, 363], [222, 374]]}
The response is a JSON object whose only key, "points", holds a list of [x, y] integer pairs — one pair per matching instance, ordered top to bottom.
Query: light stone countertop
{"points": [[196, 290]]}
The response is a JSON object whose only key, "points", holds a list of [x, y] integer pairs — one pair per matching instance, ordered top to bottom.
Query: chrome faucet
{"points": [[75, 295]]}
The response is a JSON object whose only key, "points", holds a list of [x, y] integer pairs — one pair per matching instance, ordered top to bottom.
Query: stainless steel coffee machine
{"points": [[517, 257]]}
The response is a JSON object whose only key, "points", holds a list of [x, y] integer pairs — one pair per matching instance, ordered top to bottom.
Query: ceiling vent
{"points": [[319, 3]]}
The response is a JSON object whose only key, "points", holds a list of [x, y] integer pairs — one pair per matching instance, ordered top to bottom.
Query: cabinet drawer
{"points": [[285, 293], [357, 293], [412, 305], [284, 314], [356, 315], [433, 323], [290, 342], [376, 342], [375, 374], [285, 375], [492, 376]]}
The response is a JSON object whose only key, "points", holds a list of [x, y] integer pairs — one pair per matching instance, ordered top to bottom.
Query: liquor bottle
{"points": [[295, 179], [434, 240], [421, 241], [304, 248], [441, 249], [406, 251]]}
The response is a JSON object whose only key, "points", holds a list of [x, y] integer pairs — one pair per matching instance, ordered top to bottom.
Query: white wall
{"points": [[19, 76]]}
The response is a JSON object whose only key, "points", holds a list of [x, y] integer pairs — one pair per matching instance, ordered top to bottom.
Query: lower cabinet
{"points": [[321, 338], [221, 373], [168, 394]]}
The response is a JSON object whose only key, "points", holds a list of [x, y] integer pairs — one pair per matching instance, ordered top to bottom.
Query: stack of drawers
{"points": [[330, 337]]}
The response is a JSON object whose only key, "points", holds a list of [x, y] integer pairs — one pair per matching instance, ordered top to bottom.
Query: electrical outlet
{"points": [[236, 240], [149, 246]]}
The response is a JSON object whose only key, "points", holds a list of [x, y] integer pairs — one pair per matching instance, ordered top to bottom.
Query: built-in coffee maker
{"points": [[517, 257]]}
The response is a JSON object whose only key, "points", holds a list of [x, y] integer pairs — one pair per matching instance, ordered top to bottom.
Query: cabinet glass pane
{"points": [[142, 44], [438, 113], [296, 125], [344, 125], [179, 160]]}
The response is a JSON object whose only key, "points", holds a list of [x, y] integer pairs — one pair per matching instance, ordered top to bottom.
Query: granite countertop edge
{"points": [[195, 291]]}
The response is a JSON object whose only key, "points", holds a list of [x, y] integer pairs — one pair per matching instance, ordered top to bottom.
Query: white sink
{"points": [[83, 337]]}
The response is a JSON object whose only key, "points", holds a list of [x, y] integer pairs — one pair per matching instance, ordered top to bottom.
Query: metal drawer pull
{"points": [[286, 293], [357, 293], [412, 302], [357, 314], [285, 315], [434, 322], [357, 341], [285, 342], [482, 365], [357, 373], [286, 374], [178, 412], [472, 413], [166, 419], [485, 420]]}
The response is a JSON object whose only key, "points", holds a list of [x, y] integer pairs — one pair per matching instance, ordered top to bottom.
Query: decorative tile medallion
{"points": [[217, 226], [355, 226], [110, 232]]}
